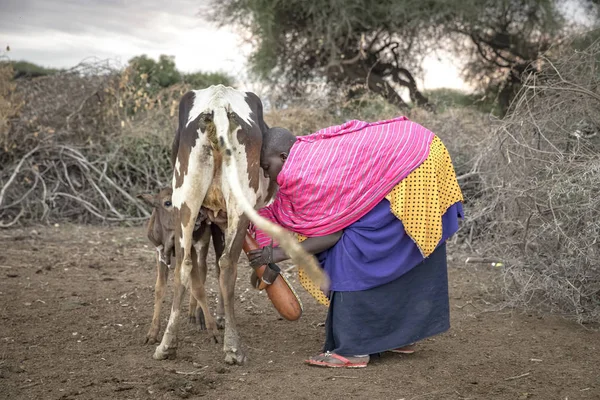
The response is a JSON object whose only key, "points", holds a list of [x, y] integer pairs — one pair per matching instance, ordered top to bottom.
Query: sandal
{"points": [[410, 349], [343, 361]]}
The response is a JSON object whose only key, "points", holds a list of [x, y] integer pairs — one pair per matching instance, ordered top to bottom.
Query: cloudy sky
{"points": [[61, 33]]}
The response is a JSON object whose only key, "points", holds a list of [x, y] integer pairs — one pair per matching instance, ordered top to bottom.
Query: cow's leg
{"points": [[187, 199], [234, 237], [219, 245], [162, 274], [198, 278]]}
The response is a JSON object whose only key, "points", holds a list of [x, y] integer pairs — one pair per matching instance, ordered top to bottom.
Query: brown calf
{"points": [[161, 233]]}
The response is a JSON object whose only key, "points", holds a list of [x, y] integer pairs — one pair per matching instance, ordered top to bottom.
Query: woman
{"points": [[375, 202]]}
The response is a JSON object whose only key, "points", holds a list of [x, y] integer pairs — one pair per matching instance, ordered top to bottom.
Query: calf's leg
{"points": [[188, 194], [218, 245], [162, 274], [198, 278]]}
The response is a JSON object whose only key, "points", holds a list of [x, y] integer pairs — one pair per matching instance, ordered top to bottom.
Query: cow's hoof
{"points": [[220, 322], [152, 335], [150, 339], [164, 354], [235, 356]]}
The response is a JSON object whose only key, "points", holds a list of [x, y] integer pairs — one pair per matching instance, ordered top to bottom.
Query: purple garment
{"points": [[376, 250]]}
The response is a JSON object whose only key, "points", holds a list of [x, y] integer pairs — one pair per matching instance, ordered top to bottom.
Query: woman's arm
{"points": [[312, 245]]}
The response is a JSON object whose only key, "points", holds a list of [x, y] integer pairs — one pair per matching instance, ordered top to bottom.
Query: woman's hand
{"points": [[260, 257]]}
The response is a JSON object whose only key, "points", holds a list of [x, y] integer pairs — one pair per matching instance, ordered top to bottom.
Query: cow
{"points": [[216, 159], [161, 233]]}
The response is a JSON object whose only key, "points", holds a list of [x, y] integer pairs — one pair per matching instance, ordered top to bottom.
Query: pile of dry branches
{"points": [[80, 145], [539, 208]]}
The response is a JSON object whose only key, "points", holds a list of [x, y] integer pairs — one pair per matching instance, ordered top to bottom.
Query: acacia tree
{"points": [[503, 40], [372, 43], [381, 44]]}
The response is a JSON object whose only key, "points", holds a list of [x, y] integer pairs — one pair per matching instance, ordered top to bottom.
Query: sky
{"points": [[62, 33]]}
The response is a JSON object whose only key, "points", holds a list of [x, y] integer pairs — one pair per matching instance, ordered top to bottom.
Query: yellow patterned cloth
{"points": [[419, 201], [308, 285]]}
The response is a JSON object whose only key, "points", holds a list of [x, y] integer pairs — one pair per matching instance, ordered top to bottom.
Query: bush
{"points": [[24, 69], [201, 80], [443, 99], [10, 104], [82, 144], [540, 210]]}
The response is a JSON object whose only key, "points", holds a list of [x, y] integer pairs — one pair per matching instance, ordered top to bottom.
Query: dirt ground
{"points": [[76, 302]]}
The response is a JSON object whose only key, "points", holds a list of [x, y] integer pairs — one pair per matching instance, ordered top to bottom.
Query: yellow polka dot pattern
{"points": [[422, 198], [419, 201], [308, 285]]}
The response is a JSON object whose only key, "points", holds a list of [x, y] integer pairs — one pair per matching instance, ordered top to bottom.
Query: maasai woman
{"points": [[376, 203]]}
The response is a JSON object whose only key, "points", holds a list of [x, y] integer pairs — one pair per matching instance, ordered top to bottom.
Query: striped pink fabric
{"points": [[338, 174]]}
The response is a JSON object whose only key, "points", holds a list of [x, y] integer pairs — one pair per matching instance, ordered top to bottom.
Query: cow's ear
{"points": [[256, 106], [148, 199]]}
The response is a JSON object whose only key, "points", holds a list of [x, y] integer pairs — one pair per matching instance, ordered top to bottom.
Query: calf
{"points": [[216, 159], [161, 233]]}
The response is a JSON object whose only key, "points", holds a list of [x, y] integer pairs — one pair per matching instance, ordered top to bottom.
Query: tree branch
{"points": [[16, 171]]}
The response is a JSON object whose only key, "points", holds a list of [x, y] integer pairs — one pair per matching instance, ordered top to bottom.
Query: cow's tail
{"points": [[285, 239]]}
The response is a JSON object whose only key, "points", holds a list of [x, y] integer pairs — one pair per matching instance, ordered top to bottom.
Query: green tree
{"points": [[502, 40], [380, 45], [155, 75], [201, 80]]}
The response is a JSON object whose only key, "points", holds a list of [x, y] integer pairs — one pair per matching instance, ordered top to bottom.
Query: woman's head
{"points": [[277, 143]]}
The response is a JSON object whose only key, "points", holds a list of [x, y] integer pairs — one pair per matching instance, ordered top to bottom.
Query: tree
{"points": [[503, 40], [346, 43], [381, 44], [154, 75], [146, 80], [200, 80]]}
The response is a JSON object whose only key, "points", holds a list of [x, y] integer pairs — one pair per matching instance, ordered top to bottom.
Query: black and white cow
{"points": [[216, 159]]}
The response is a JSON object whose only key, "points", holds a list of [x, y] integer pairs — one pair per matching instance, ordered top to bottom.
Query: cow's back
{"points": [[197, 120]]}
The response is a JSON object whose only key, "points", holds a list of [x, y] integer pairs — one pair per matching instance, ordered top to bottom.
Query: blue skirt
{"points": [[408, 309]]}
